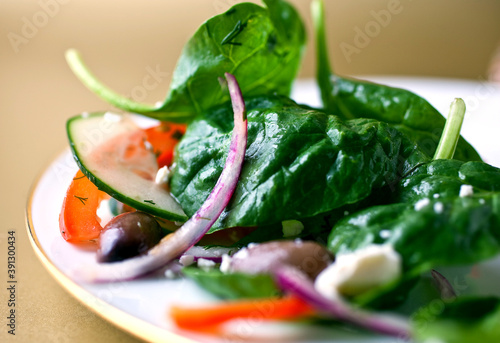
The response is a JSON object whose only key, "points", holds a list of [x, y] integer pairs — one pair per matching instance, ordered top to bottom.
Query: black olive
{"points": [[128, 235]]}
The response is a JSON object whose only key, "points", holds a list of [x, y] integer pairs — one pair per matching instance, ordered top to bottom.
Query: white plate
{"points": [[140, 307]]}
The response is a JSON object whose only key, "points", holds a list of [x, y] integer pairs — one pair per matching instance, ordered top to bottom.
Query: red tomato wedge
{"points": [[164, 137], [78, 221]]}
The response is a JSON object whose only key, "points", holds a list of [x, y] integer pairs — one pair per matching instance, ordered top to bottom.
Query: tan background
{"points": [[120, 40]]}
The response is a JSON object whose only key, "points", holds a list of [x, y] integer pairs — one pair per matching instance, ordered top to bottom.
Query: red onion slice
{"points": [[174, 245], [292, 280]]}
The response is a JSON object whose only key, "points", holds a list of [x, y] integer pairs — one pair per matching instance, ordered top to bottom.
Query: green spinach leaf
{"points": [[262, 47], [351, 98], [299, 162], [444, 179], [428, 222], [452, 231], [234, 285], [466, 320]]}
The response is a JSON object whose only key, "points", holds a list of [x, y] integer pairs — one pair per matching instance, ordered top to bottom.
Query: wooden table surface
{"points": [[121, 41]]}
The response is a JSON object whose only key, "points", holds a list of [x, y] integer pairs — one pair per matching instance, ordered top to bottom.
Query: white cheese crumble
{"points": [[112, 117], [148, 146], [162, 175], [466, 190], [435, 196], [421, 204], [438, 207], [104, 212], [292, 228], [385, 234], [241, 254], [186, 260], [205, 264], [225, 265], [357, 272], [169, 274]]}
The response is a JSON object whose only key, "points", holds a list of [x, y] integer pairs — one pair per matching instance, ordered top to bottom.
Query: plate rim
{"points": [[119, 318]]}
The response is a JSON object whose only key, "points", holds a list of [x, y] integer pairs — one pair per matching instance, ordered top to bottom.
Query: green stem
{"points": [[318, 15], [327, 80], [107, 94], [451, 131]]}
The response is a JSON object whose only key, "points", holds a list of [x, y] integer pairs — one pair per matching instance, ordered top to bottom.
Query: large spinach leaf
{"points": [[262, 47], [351, 98], [299, 162], [444, 178], [428, 222], [451, 231], [233, 285], [465, 320]]}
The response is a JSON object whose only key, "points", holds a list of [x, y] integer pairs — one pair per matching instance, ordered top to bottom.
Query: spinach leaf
{"points": [[262, 47], [351, 98], [299, 162], [444, 178], [427, 222], [315, 228], [450, 231], [234, 285], [466, 320]]}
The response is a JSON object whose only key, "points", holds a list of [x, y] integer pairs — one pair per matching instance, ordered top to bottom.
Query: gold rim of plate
{"points": [[119, 318]]}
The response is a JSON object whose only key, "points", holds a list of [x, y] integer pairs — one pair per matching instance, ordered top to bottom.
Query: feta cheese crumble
{"points": [[112, 117], [162, 175], [466, 190], [421, 204], [438, 207], [104, 212], [385, 234], [241, 254], [186, 260], [205, 264], [225, 265], [357, 272], [170, 274]]}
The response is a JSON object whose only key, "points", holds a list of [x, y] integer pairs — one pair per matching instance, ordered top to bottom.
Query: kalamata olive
{"points": [[127, 235], [309, 257]]}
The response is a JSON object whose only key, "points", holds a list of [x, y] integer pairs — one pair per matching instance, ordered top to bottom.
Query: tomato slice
{"points": [[164, 137], [78, 221]]}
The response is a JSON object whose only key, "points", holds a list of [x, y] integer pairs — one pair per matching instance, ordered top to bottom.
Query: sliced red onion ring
{"points": [[174, 245], [292, 280], [444, 286]]}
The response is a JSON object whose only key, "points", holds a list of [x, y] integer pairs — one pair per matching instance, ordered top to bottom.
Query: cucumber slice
{"points": [[110, 150]]}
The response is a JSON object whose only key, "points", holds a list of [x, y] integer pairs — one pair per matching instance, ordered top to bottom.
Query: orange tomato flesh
{"points": [[164, 137], [78, 221]]}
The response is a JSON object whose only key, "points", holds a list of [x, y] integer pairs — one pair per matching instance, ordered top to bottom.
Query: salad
{"points": [[331, 215]]}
